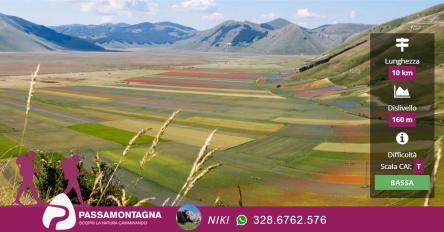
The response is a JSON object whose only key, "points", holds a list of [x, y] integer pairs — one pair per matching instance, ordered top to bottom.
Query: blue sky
{"points": [[204, 14]]}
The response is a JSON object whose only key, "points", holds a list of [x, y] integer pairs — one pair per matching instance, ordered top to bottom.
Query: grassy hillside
{"points": [[288, 39], [352, 67]]}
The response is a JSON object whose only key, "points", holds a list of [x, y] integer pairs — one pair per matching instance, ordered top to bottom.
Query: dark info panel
{"points": [[402, 114]]}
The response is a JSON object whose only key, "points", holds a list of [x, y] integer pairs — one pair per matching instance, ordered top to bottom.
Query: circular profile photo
{"points": [[188, 217]]}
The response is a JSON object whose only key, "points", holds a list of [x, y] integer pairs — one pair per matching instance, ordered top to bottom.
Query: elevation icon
{"points": [[400, 92]]}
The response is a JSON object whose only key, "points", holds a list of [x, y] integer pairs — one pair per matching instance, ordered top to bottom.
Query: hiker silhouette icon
{"points": [[27, 171], [71, 173]]}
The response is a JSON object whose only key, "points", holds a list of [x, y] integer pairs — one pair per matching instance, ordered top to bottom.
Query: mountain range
{"points": [[17, 34], [124, 35], [278, 36], [275, 37]]}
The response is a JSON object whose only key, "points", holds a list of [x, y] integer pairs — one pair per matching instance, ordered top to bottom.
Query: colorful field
{"points": [[240, 76], [174, 83], [181, 91], [313, 121], [302, 145]]}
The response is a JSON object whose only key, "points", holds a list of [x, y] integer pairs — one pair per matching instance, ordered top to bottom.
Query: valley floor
{"points": [[306, 147]]}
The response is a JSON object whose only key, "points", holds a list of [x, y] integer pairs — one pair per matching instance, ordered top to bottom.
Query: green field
{"points": [[109, 133], [9, 148]]}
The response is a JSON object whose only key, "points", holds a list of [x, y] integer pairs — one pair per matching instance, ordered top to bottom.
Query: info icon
{"points": [[402, 138]]}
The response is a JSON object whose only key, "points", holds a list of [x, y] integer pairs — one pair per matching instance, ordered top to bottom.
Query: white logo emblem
{"points": [[60, 212]]}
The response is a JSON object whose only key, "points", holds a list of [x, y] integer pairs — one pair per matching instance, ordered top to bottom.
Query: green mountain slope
{"points": [[291, 39], [351, 68]]}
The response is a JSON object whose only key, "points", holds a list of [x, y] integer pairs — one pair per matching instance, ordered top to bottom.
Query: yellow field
{"points": [[215, 80], [317, 84], [208, 89], [72, 95], [268, 96], [83, 112], [127, 113], [203, 121], [314, 121], [235, 124], [181, 134], [62, 140], [344, 147], [365, 147]]}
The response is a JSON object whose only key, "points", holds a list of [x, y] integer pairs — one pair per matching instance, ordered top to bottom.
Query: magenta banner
{"points": [[15, 218]]}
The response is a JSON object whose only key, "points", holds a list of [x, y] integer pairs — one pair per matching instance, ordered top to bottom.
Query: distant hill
{"points": [[275, 24], [17, 34], [125, 35], [228, 35], [332, 35], [275, 37], [290, 39], [352, 67]]}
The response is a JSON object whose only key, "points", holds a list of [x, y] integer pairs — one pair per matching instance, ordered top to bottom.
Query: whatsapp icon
{"points": [[241, 220]]}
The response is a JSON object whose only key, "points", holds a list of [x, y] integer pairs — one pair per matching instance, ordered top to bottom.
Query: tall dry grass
{"points": [[31, 91], [28, 105], [151, 152], [438, 156], [122, 158], [4, 166], [197, 171], [98, 182], [7, 196], [126, 200], [241, 200], [165, 201], [218, 201]]}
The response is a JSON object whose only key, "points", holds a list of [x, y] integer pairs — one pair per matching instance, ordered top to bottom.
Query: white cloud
{"points": [[195, 5], [110, 8], [305, 13], [353, 14], [215, 16], [266, 17], [107, 18], [306, 18], [334, 22]]}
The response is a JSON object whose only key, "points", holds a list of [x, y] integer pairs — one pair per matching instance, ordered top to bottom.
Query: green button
{"points": [[402, 182]]}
